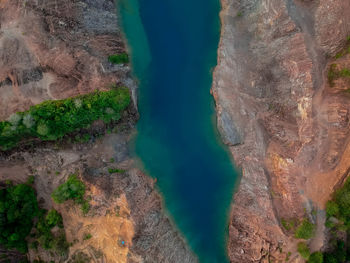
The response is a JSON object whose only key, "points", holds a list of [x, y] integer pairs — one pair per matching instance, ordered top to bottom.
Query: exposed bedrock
{"points": [[56, 49], [286, 128]]}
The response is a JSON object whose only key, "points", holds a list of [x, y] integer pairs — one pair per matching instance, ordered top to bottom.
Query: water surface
{"points": [[173, 44]]}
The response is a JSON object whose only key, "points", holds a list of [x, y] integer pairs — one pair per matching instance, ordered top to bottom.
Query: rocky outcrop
{"points": [[56, 49], [271, 92]]}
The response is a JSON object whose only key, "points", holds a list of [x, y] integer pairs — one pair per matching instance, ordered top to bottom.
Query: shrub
{"points": [[121, 58], [51, 120], [115, 170], [72, 189], [18, 207], [332, 209], [53, 218], [288, 224], [305, 230], [87, 236], [49, 241], [303, 250], [316, 257]]}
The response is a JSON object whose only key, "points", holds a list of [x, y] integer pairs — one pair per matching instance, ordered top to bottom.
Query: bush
{"points": [[121, 58], [51, 120], [115, 170], [72, 189], [342, 200], [18, 207], [332, 209], [53, 218], [288, 224], [305, 230], [87, 236], [47, 240], [303, 250], [316, 257]]}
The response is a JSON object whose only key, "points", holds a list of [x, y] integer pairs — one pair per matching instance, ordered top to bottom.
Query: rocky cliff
{"points": [[53, 49], [286, 127]]}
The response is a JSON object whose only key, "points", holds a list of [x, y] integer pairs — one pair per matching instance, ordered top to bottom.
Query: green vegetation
{"points": [[345, 51], [121, 58], [334, 73], [51, 120], [115, 170], [72, 189], [18, 207], [339, 207], [18, 210], [53, 218], [338, 220], [288, 224], [305, 230], [87, 236], [55, 242], [303, 250], [288, 256], [316, 257]]}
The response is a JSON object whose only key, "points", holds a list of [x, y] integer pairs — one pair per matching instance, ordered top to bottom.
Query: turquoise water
{"points": [[173, 45]]}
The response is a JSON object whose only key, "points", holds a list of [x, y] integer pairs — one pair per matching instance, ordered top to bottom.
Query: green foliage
{"points": [[121, 58], [334, 73], [51, 120], [115, 170], [30, 180], [72, 189], [341, 200], [85, 206], [18, 207], [339, 207], [332, 209], [53, 218], [288, 224], [305, 230], [87, 236], [47, 240], [303, 250], [338, 254], [288, 256], [316, 257]]}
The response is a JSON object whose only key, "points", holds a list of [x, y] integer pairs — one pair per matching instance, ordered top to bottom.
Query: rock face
{"points": [[53, 49], [272, 93]]}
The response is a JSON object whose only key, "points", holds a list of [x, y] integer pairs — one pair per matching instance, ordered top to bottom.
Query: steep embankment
{"points": [[54, 50], [286, 127]]}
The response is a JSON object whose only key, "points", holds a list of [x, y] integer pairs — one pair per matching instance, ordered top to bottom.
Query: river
{"points": [[173, 45]]}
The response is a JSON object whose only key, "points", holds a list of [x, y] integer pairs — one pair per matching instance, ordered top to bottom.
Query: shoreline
{"points": [[138, 162]]}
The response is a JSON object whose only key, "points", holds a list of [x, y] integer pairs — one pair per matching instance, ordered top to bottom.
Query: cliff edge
{"points": [[286, 127]]}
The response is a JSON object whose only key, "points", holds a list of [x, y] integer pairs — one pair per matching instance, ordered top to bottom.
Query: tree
{"points": [[18, 207]]}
